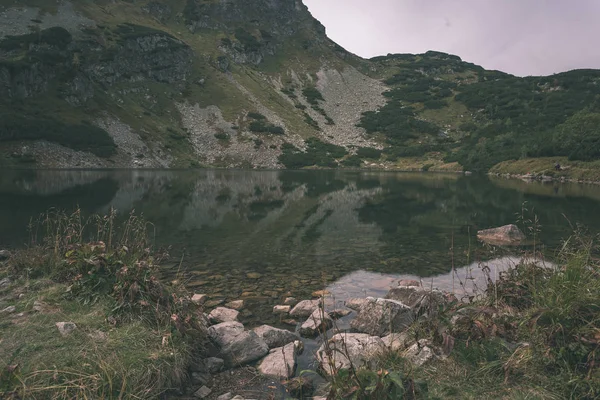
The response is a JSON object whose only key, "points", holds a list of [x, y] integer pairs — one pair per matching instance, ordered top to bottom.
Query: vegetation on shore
{"points": [[534, 333], [135, 336]]}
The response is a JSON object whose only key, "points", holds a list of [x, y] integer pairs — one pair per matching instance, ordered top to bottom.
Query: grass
{"points": [[575, 170], [136, 336]]}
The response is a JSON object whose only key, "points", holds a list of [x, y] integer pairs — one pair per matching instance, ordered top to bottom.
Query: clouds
{"points": [[522, 37]]}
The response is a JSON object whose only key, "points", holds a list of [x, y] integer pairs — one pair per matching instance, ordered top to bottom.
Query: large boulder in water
{"points": [[507, 235], [422, 301], [380, 317], [275, 337], [238, 346], [280, 363]]}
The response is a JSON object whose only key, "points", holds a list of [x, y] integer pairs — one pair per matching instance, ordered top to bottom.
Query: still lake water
{"points": [[265, 235]]}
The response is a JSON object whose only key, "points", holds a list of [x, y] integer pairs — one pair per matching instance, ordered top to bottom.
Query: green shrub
{"points": [[56, 36], [249, 41], [312, 95], [256, 116], [266, 127], [222, 136], [369, 152], [318, 153], [352, 162]]}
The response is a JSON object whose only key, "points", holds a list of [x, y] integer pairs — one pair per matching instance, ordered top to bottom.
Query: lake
{"points": [[265, 235]]}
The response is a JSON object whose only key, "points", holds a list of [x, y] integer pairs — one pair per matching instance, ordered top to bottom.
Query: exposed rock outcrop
{"points": [[507, 235], [380, 317]]}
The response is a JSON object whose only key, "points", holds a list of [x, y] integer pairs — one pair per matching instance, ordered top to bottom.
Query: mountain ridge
{"points": [[258, 84]]}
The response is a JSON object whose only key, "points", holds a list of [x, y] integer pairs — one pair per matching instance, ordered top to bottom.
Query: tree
{"points": [[579, 137]]}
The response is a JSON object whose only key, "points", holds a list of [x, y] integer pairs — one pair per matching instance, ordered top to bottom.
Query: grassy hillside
{"points": [[159, 83]]}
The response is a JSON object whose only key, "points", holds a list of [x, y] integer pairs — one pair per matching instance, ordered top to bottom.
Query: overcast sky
{"points": [[522, 37]]}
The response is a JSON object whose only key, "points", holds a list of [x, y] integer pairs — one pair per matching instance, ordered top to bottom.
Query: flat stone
{"points": [[507, 235], [253, 275], [408, 282], [321, 293], [199, 299], [290, 301], [355, 304], [235, 305], [305, 308], [281, 309], [8, 310], [339, 313], [222, 314], [380, 317], [319, 321], [65, 328], [275, 337], [238, 346], [357, 349], [420, 353], [280, 363], [214, 364], [203, 392], [226, 396]]}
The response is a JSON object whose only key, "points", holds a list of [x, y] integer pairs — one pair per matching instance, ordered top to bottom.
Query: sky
{"points": [[521, 37]]}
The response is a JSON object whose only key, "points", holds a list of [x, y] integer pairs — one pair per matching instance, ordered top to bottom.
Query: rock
{"points": [[507, 235], [4, 255], [253, 275], [4, 282], [408, 282], [321, 293], [199, 299], [290, 301], [422, 301], [213, 303], [355, 304], [235, 305], [39, 306], [305, 308], [281, 309], [8, 310], [339, 313], [222, 314], [380, 317], [319, 321], [290, 322], [65, 328], [274, 337], [395, 341], [238, 346], [357, 349], [420, 353], [280, 363], [214, 364], [200, 378], [203, 392], [226, 396], [238, 397]]}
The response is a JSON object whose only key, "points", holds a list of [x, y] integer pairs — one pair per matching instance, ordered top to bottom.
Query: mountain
{"points": [[257, 84]]}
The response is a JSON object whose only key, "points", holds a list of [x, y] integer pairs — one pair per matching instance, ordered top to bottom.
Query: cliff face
{"points": [[252, 84]]}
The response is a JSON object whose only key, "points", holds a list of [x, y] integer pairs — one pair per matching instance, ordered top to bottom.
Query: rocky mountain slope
{"points": [[256, 84]]}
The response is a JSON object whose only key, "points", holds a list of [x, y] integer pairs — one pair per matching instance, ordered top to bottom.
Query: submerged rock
{"points": [[507, 235], [199, 299], [355, 304], [235, 305], [281, 309], [339, 313], [380, 317], [319, 321], [275, 337], [238, 346], [346, 349], [280, 363]]}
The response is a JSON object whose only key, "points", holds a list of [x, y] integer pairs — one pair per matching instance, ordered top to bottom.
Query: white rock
{"points": [[4, 282], [290, 301], [305, 308], [281, 309], [8, 310], [222, 314], [380, 317], [319, 321], [65, 328], [275, 337], [395, 341], [238, 346], [357, 349], [420, 353], [280, 363], [226, 396]]}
